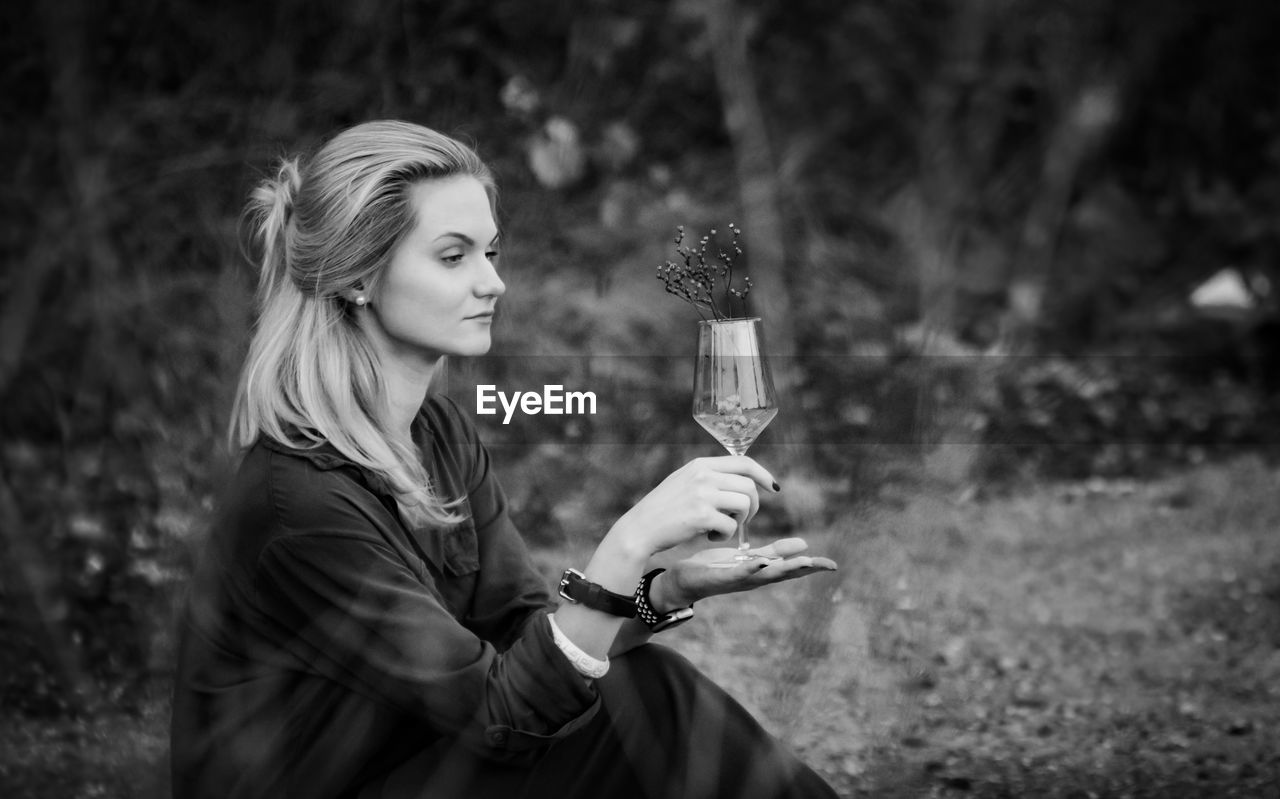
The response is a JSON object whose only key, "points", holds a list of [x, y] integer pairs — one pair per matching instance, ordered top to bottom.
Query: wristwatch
{"points": [[576, 588], [656, 621]]}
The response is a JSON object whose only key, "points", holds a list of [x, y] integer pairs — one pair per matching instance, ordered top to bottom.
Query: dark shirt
{"points": [[324, 642]]}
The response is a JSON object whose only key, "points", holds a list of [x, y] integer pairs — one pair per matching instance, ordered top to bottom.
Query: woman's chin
{"points": [[471, 349]]}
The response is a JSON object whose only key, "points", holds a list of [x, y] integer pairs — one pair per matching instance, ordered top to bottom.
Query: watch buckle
{"points": [[564, 583]]}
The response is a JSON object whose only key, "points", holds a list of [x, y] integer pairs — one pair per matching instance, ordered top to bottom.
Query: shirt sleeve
{"points": [[349, 608]]}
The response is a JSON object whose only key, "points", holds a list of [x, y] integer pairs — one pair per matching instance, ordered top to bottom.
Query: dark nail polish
{"points": [[776, 487]]}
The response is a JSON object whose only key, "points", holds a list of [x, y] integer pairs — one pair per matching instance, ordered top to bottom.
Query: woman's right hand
{"points": [[706, 495]]}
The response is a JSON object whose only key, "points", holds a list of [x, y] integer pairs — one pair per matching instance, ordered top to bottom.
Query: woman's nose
{"points": [[489, 284]]}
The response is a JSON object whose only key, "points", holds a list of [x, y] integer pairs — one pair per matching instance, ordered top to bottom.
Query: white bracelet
{"points": [[583, 663]]}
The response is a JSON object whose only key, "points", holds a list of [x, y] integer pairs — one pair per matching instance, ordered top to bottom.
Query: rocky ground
{"points": [[1101, 639]]}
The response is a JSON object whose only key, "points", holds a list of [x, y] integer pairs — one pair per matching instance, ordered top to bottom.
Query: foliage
{"points": [[912, 139], [1117, 417]]}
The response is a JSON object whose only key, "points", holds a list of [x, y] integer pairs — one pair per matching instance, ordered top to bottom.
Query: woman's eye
{"points": [[492, 255], [453, 258]]}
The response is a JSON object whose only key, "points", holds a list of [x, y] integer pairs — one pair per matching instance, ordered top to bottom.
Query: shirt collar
{"points": [[325, 456]]}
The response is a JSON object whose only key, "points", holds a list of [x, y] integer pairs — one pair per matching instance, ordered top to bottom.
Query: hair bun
{"points": [[276, 196], [273, 200], [271, 208]]}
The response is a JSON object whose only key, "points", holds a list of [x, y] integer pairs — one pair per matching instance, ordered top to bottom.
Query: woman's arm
{"points": [[706, 494], [616, 565]]}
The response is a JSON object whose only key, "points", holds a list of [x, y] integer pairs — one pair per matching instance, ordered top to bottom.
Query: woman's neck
{"points": [[406, 382]]}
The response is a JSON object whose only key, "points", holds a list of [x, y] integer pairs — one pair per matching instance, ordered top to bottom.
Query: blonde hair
{"points": [[324, 226]]}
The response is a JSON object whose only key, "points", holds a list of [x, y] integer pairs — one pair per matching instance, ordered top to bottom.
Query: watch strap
{"points": [[576, 588], [655, 621]]}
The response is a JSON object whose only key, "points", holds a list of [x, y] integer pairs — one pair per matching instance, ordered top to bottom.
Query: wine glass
{"points": [[733, 395]]}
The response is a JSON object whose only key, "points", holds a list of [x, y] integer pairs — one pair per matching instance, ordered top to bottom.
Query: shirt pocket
{"points": [[461, 550]]}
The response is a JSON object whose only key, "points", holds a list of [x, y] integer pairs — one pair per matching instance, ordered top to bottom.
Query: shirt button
{"points": [[497, 737]]}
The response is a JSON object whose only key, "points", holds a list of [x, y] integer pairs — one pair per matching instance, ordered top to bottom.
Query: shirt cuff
{"points": [[583, 663]]}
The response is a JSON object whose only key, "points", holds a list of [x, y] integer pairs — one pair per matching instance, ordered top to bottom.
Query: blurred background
{"points": [[1015, 259]]}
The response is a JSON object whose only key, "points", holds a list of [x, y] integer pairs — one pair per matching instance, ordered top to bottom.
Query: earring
{"points": [[360, 300]]}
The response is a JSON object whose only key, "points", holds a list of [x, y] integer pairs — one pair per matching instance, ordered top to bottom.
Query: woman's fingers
{"points": [[741, 464], [743, 486], [707, 495], [731, 500], [739, 506], [722, 513], [720, 527], [782, 548], [778, 570], [760, 572], [704, 574]]}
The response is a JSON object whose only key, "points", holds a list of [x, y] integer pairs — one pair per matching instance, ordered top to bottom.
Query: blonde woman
{"points": [[366, 621]]}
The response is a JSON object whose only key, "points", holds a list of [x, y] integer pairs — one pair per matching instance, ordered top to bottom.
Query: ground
{"points": [[1101, 639]]}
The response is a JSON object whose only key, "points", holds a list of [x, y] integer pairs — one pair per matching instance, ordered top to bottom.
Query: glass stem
{"points": [[743, 545]]}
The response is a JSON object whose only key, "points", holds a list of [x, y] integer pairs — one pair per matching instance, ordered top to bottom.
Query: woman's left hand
{"points": [[695, 577]]}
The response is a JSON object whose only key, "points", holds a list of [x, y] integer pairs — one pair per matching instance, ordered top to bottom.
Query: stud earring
{"points": [[361, 300]]}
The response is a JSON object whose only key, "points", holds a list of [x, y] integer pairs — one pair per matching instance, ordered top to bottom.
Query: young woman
{"points": [[366, 621]]}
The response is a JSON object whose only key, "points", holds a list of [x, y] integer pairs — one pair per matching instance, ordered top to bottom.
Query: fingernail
{"points": [[776, 487]]}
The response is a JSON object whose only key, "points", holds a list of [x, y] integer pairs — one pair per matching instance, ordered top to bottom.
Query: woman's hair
{"points": [[323, 227]]}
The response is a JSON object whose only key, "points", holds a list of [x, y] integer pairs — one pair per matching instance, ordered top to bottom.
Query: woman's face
{"points": [[440, 288]]}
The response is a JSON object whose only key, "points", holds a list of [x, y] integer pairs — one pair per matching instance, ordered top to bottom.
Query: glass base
{"points": [[738, 558]]}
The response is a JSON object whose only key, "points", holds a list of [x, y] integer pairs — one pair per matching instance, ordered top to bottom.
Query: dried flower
{"points": [[698, 280]]}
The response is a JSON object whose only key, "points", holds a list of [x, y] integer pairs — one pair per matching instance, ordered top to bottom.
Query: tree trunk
{"points": [[66, 32], [1090, 105], [960, 120], [1084, 125], [84, 169], [764, 227], [773, 274], [23, 306]]}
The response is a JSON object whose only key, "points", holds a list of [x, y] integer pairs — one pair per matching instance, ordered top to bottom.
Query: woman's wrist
{"points": [[625, 542], [617, 563], [665, 596]]}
